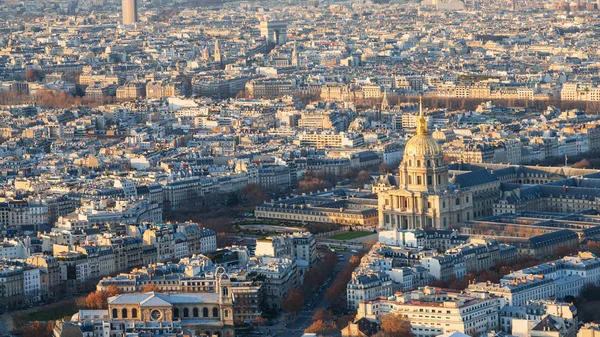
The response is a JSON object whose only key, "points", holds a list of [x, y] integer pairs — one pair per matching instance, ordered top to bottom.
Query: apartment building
{"points": [[162, 237], [278, 277], [367, 285], [519, 291], [433, 311]]}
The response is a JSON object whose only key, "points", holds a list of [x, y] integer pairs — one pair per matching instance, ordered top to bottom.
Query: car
{"points": [[354, 251]]}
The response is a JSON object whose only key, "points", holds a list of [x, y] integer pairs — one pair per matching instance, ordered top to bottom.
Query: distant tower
{"points": [[513, 5], [130, 14], [205, 54], [295, 56], [218, 57], [385, 105]]}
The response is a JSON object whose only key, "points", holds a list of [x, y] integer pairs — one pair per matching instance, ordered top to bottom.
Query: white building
{"points": [[14, 249], [366, 285], [32, 289], [518, 292], [432, 312]]}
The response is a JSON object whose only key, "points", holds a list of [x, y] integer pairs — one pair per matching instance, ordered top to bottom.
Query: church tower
{"points": [[218, 56], [385, 104]]}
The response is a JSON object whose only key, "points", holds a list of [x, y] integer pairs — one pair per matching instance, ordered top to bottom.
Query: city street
{"points": [[296, 327]]}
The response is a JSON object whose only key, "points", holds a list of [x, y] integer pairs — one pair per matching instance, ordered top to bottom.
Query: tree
{"points": [[33, 75], [582, 164], [384, 168], [351, 174], [362, 178], [311, 183], [254, 195], [354, 260], [149, 287], [112, 290], [96, 300], [294, 301], [322, 315], [259, 321], [343, 321], [20, 323], [394, 325], [321, 327], [38, 329]]}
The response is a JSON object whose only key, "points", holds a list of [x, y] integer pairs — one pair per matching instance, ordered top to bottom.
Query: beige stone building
{"points": [[424, 197], [209, 313]]}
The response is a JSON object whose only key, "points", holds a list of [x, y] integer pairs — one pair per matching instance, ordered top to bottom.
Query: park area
{"points": [[351, 235]]}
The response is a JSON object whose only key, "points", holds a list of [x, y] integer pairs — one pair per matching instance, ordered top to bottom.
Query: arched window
{"points": [[195, 311], [176, 312], [186, 312], [205, 312], [215, 312], [123, 313], [134, 313], [115, 314]]}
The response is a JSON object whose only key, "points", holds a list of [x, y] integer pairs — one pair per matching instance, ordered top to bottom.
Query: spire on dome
{"points": [[422, 123]]}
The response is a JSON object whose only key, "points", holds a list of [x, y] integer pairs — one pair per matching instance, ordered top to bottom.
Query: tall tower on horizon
{"points": [[513, 5], [130, 12], [217, 54], [295, 56]]}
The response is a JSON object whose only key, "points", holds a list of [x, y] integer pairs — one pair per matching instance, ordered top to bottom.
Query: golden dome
{"points": [[422, 144]]}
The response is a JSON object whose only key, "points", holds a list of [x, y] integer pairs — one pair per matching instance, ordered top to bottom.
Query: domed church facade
{"points": [[424, 197]]}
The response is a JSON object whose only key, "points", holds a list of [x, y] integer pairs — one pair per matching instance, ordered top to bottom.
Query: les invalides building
{"points": [[424, 197]]}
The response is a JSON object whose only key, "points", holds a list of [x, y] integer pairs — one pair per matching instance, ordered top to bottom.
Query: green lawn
{"points": [[350, 235], [50, 314]]}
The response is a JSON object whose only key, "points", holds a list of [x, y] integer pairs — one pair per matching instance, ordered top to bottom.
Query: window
{"points": [[418, 163], [428, 163], [409, 179], [439, 179], [418, 180], [429, 180], [458, 201], [176, 312], [186, 312], [195, 312], [205, 312], [215, 312], [115, 313], [123, 313], [133, 313]]}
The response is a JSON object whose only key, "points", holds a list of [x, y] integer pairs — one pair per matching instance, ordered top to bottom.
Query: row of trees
{"points": [[319, 180], [316, 276], [336, 293], [98, 299], [324, 322], [25, 328]]}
